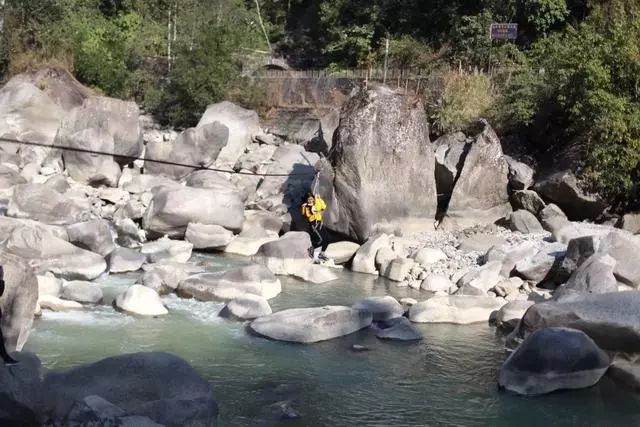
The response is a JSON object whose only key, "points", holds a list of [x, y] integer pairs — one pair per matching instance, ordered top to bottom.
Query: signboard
{"points": [[503, 31]]}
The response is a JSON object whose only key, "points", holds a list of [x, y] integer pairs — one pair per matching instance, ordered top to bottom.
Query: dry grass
{"points": [[33, 60]]}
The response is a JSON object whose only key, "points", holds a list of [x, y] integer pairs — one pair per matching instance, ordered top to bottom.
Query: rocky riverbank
{"points": [[475, 231]]}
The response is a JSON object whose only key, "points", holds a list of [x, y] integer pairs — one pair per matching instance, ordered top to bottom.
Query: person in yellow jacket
{"points": [[312, 212]]}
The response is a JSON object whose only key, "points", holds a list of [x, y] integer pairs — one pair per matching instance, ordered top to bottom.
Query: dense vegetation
{"points": [[568, 88]]}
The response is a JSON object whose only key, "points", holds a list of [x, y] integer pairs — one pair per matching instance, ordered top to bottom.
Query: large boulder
{"points": [[119, 119], [243, 125], [382, 144], [195, 146], [451, 151], [87, 168], [295, 171], [520, 174], [9, 178], [563, 189], [481, 193], [527, 200], [41, 203], [173, 208], [553, 219], [525, 222], [630, 222], [259, 227], [94, 236], [208, 236], [624, 249], [167, 250], [578, 251], [342, 252], [48, 253], [287, 255], [509, 256], [123, 260], [364, 261], [544, 265], [314, 273], [595, 275], [166, 277], [480, 280], [437, 283], [231, 284], [82, 292], [140, 300], [18, 302], [49, 302], [248, 307], [382, 308], [455, 309], [509, 315], [611, 320], [309, 325], [553, 359], [160, 386], [21, 391]]}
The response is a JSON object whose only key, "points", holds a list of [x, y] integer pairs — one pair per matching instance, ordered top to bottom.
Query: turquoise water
{"points": [[448, 379]]}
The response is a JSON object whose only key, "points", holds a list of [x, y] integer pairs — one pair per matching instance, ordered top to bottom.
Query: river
{"points": [[448, 379]]}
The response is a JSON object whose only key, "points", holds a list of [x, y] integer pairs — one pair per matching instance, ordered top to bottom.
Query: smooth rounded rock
{"points": [[140, 300], [248, 307], [382, 308]]}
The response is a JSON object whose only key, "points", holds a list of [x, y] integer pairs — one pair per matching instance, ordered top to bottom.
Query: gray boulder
{"points": [[120, 119], [243, 126], [195, 146], [450, 151], [255, 157], [373, 158], [86, 168], [520, 174], [562, 188], [481, 193], [281, 194], [528, 200], [41, 203], [173, 208], [553, 219], [525, 222], [630, 222], [259, 227], [574, 230], [129, 234], [94, 236], [205, 236], [624, 249], [167, 250], [578, 251], [342, 252], [48, 253], [287, 255], [509, 256], [123, 260], [364, 261], [544, 265], [398, 269], [595, 275], [166, 277], [481, 279], [437, 283], [231, 284], [82, 292], [19, 300], [140, 300], [248, 307], [382, 308], [455, 309], [510, 314], [611, 320], [310, 325], [399, 329], [553, 359], [139, 388], [21, 391]]}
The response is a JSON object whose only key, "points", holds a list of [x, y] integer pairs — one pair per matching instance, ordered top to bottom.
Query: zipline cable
{"points": [[163, 162]]}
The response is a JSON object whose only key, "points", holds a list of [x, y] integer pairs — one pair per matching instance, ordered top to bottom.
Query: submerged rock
{"points": [[166, 250], [166, 277], [82, 292], [248, 307], [382, 308], [510, 314], [309, 325], [399, 329], [553, 359], [159, 386]]}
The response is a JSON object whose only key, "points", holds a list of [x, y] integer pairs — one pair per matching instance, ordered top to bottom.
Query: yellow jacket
{"points": [[314, 213]]}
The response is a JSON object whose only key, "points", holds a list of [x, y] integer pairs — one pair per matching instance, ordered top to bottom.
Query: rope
{"points": [[163, 162]]}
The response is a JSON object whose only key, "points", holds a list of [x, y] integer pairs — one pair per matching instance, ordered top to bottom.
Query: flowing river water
{"points": [[448, 379]]}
